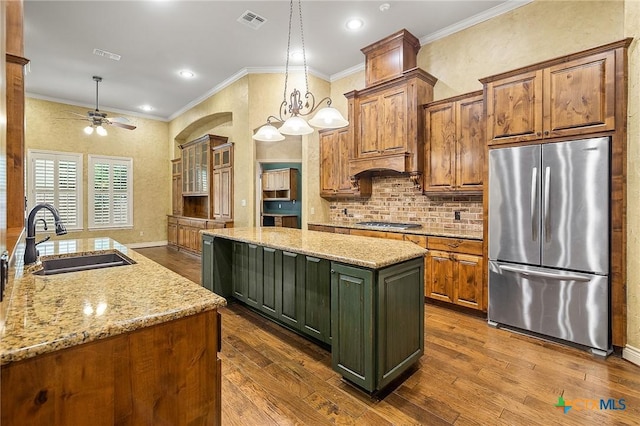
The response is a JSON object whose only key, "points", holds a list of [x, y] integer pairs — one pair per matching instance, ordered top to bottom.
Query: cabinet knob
{"points": [[546, 133], [538, 134], [333, 271]]}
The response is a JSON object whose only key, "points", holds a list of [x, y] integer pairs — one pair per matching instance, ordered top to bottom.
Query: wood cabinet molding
{"points": [[390, 57]]}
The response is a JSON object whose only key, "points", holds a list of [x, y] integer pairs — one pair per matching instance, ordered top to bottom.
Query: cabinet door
{"points": [[580, 96], [514, 108], [393, 123], [440, 125], [368, 132], [470, 143], [342, 154], [328, 162], [222, 179], [176, 195], [172, 233], [207, 262], [240, 269], [254, 276], [440, 276], [272, 279], [467, 290], [290, 291], [316, 309], [352, 316], [400, 319]]}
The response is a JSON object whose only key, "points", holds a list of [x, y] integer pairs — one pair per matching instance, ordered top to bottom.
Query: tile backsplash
{"points": [[396, 199]]}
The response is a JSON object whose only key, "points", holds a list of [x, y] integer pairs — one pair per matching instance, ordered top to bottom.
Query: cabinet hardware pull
{"points": [[546, 133], [538, 134], [454, 245], [333, 271]]}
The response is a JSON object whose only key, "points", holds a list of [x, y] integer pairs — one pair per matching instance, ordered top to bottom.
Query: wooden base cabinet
{"points": [[183, 233], [455, 272], [166, 374]]}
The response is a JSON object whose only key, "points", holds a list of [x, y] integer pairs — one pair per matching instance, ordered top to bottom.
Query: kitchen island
{"points": [[362, 296], [134, 344]]}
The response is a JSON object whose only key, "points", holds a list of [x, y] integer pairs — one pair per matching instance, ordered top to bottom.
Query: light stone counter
{"points": [[433, 231], [368, 252], [46, 313]]}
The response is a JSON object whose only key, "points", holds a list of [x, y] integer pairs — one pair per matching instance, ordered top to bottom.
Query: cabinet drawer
{"points": [[320, 228], [342, 231], [367, 233], [420, 240], [455, 244]]}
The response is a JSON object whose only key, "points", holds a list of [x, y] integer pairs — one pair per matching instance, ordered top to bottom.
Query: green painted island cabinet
{"points": [[373, 319]]}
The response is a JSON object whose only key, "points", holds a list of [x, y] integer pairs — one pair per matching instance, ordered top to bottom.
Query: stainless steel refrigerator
{"points": [[549, 240]]}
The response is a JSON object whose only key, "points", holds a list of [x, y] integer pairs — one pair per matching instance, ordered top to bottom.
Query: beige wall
{"points": [[632, 29], [536, 32], [146, 145]]}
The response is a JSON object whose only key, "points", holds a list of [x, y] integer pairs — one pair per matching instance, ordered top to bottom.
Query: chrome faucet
{"points": [[30, 252]]}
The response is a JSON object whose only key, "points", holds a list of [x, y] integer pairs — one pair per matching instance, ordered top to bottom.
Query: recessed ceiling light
{"points": [[354, 24], [296, 56], [186, 74], [146, 108]]}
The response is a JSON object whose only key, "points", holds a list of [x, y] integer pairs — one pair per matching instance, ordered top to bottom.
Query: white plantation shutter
{"points": [[56, 178], [110, 192]]}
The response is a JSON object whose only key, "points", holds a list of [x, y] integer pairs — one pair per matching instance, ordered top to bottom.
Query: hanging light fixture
{"points": [[292, 112]]}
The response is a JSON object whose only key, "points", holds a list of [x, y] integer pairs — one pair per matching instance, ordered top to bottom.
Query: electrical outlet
{"points": [[243, 203], [279, 206], [313, 210], [456, 215], [141, 233]]}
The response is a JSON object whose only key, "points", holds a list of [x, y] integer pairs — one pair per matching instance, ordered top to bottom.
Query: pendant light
{"points": [[292, 112]]}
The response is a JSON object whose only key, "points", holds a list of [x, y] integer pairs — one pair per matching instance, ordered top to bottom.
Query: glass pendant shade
{"points": [[328, 118], [296, 126], [88, 130], [101, 131], [268, 133]]}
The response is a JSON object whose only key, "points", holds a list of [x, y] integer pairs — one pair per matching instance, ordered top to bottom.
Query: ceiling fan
{"points": [[98, 119]]}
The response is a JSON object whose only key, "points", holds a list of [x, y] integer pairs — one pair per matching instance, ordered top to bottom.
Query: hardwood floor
{"points": [[470, 374]]}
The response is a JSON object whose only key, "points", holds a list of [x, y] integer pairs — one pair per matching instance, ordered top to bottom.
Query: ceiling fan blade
{"points": [[79, 115], [120, 120], [123, 125]]}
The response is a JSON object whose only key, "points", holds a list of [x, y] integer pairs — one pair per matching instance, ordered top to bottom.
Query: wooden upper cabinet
{"points": [[390, 57], [581, 96], [558, 98], [514, 108], [386, 114], [388, 128], [454, 144], [335, 152], [280, 184]]}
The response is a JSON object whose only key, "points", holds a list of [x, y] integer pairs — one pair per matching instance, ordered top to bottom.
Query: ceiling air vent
{"points": [[252, 19], [106, 54]]}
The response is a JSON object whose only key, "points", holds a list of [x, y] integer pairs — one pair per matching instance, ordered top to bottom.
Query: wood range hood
{"points": [[385, 116]]}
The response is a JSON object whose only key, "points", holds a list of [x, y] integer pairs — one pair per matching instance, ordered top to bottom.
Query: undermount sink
{"points": [[83, 263]]}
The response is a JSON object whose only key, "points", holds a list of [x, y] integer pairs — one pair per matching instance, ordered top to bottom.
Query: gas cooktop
{"points": [[390, 225]]}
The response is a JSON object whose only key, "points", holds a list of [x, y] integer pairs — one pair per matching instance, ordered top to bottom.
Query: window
{"points": [[56, 178], [110, 192]]}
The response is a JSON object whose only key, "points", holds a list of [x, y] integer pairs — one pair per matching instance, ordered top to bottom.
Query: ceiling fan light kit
{"points": [[291, 112], [99, 119]]}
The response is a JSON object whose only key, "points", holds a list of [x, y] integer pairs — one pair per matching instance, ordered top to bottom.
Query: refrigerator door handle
{"points": [[534, 190], [547, 222], [564, 276]]}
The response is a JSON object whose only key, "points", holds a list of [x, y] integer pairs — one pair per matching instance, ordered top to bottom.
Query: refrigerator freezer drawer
{"points": [[562, 304]]}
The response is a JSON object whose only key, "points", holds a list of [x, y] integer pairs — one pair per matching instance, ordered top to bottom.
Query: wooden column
{"points": [[15, 104]]}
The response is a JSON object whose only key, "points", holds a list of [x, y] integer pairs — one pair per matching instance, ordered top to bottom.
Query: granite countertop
{"points": [[434, 231], [368, 252], [46, 313]]}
